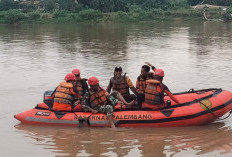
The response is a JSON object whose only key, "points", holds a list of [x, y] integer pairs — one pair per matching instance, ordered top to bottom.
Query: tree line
{"points": [[103, 5]]}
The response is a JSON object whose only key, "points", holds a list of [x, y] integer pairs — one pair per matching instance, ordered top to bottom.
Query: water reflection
{"points": [[204, 38], [131, 142]]}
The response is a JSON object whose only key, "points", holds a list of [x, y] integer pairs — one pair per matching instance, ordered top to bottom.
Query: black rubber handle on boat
{"points": [[81, 120]]}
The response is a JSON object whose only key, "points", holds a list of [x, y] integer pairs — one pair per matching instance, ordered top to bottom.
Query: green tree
{"points": [[194, 2], [214, 2], [224, 2], [85, 3], [7, 4], [163, 4], [49, 5], [68, 5], [123, 5], [14, 16]]}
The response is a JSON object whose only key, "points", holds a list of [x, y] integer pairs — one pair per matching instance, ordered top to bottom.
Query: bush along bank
{"points": [[134, 14]]}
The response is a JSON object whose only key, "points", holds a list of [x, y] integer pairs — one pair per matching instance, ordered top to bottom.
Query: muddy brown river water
{"points": [[35, 58]]}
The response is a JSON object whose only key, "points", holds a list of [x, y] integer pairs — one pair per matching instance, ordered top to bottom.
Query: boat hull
{"points": [[205, 109]]}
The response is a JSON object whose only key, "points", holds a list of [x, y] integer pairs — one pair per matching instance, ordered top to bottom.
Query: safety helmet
{"points": [[118, 68], [76, 71], [159, 72], [70, 77], [93, 81]]}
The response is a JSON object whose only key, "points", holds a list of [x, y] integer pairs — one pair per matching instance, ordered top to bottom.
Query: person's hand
{"points": [[148, 64], [139, 92], [76, 103], [120, 103], [86, 109], [94, 111]]}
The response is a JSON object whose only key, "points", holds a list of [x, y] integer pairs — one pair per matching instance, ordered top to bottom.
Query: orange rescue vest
{"points": [[141, 83], [120, 85], [154, 92], [63, 93], [99, 98]]}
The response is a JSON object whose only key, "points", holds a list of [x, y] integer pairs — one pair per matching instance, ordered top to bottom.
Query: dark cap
{"points": [[118, 68]]}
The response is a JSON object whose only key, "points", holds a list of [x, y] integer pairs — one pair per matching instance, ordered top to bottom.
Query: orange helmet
{"points": [[76, 71], [159, 72], [70, 77], [93, 81]]}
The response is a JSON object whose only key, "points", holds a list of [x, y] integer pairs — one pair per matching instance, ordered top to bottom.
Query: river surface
{"points": [[35, 58]]}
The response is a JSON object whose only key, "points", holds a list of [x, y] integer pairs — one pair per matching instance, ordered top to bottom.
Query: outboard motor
{"points": [[49, 98]]}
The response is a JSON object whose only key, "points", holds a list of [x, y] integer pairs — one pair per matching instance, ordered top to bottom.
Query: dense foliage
{"points": [[213, 2], [8, 4], [104, 5], [12, 11], [14, 16]]}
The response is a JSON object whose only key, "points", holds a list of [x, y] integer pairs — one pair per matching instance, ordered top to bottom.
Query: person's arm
{"points": [[152, 66], [130, 85], [108, 89], [133, 89], [75, 94], [172, 96], [108, 97], [93, 107], [89, 108], [92, 110]]}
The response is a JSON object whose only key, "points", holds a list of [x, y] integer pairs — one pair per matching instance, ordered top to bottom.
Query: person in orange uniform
{"points": [[145, 75], [141, 83], [122, 84], [80, 86], [155, 89], [65, 98], [99, 100]]}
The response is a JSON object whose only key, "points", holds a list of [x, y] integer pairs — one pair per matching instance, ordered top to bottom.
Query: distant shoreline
{"points": [[96, 16]]}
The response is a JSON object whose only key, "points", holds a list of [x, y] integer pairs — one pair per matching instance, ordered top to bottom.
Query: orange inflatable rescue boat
{"points": [[196, 108]]}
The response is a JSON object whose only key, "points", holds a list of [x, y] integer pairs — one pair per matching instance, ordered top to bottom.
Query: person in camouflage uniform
{"points": [[99, 100]]}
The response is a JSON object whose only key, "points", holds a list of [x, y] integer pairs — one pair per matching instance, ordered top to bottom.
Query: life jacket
{"points": [[120, 85], [141, 86], [78, 87], [154, 92], [63, 94], [99, 98]]}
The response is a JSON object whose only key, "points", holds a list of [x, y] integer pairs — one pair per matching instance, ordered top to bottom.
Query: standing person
{"points": [[141, 83], [122, 84], [80, 85], [155, 89], [65, 98]]}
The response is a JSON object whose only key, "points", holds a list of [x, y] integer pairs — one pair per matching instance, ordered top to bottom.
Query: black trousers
{"points": [[129, 97], [141, 99]]}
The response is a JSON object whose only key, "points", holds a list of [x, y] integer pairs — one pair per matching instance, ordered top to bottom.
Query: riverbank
{"points": [[90, 15]]}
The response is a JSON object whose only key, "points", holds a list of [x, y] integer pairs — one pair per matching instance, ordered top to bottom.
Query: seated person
{"points": [[141, 83], [122, 84], [80, 85], [155, 89], [65, 98], [99, 100]]}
